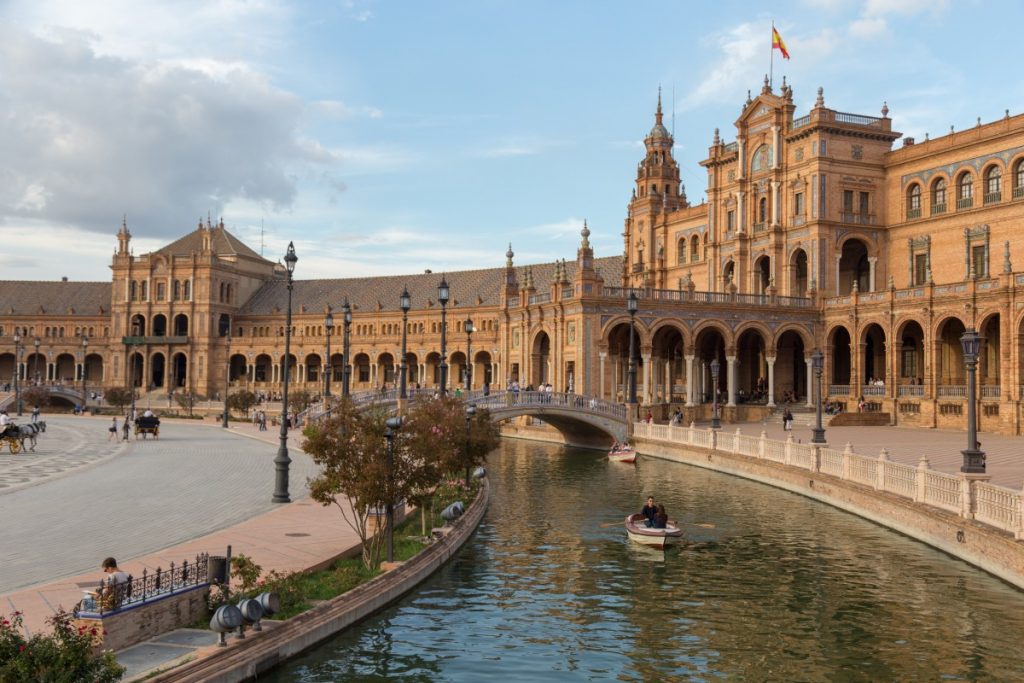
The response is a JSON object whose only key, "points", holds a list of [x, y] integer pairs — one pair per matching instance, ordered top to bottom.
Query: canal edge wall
{"points": [[989, 549], [260, 651]]}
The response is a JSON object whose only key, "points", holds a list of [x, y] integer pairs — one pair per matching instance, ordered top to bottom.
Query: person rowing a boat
{"points": [[649, 511], [660, 518]]}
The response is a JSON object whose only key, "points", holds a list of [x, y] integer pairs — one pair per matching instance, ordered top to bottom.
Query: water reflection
{"points": [[781, 589]]}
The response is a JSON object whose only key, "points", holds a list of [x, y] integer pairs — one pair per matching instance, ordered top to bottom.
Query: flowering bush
{"points": [[64, 654]]}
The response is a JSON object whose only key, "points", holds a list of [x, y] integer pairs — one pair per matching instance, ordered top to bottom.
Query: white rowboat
{"points": [[627, 455], [656, 538]]}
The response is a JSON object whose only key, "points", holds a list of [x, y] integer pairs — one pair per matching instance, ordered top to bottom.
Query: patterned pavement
{"points": [[67, 508]]}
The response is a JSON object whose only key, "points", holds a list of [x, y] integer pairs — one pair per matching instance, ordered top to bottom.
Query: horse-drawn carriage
{"points": [[147, 425], [15, 435], [12, 437]]}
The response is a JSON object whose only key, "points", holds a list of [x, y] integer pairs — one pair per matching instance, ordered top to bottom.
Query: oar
{"points": [[703, 525]]}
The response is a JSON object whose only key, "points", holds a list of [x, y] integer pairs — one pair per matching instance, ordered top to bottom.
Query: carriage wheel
{"points": [[156, 433], [14, 445]]}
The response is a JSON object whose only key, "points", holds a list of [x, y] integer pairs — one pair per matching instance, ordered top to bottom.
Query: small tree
{"points": [[36, 396], [118, 396], [186, 400], [299, 400], [241, 401], [474, 438], [351, 449]]}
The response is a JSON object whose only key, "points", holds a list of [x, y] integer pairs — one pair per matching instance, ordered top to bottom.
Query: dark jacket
{"points": [[649, 511], [660, 521]]}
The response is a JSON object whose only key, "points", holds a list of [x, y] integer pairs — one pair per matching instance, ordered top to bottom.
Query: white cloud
{"points": [[905, 7], [869, 28], [337, 109]]}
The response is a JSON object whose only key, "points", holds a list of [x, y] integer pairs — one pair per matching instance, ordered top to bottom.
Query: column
{"points": [[775, 147], [741, 157], [776, 203], [740, 211], [872, 262], [838, 293], [732, 365], [648, 379], [668, 380], [689, 380], [771, 381], [703, 382], [810, 382], [600, 390]]}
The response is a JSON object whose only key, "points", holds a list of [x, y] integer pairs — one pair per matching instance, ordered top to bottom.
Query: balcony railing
{"points": [[1018, 192], [993, 197], [964, 203], [938, 209], [913, 213], [857, 218], [759, 227], [638, 267], [708, 297], [540, 298], [838, 389], [872, 390], [910, 390], [952, 391], [991, 391]]}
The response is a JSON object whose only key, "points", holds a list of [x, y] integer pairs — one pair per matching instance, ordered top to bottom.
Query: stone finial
{"points": [[783, 84], [766, 88], [749, 100], [820, 101], [885, 110], [1007, 114], [979, 122], [951, 129], [926, 137], [717, 140], [682, 192], [585, 234], [508, 256], [1007, 266], [891, 282], [855, 288]]}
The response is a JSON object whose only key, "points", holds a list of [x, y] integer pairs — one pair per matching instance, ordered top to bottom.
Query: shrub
{"points": [[64, 654]]}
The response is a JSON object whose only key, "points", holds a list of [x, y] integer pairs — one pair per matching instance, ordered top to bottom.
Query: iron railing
{"points": [[111, 597]]}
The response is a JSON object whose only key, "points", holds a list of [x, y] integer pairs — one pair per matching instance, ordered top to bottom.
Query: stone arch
{"points": [[853, 264], [799, 270], [137, 325], [159, 325], [181, 325], [909, 340], [710, 343], [792, 348], [668, 349], [840, 355], [949, 356], [540, 359], [752, 359], [988, 360], [312, 363], [873, 365], [237, 368], [263, 368], [386, 369], [157, 370], [179, 370]]}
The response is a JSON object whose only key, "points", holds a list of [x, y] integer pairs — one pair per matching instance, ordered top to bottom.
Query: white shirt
{"points": [[148, 413], [5, 420]]}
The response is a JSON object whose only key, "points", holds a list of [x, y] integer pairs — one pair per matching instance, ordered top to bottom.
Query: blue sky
{"points": [[388, 137]]}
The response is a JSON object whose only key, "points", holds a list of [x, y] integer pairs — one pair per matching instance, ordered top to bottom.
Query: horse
{"points": [[30, 431]]}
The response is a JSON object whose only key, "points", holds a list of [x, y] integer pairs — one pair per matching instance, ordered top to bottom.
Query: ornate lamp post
{"points": [[442, 298], [405, 303], [631, 306], [329, 326], [132, 350], [469, 356], [85, 357], [35, 361], [818, 363], [346, 367], [17, 369], [227, 375], [716, 422], [391, 428], [974, 458], [281, 461]]}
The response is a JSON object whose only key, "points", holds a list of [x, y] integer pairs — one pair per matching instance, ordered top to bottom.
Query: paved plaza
{"points": [[127, 499]]}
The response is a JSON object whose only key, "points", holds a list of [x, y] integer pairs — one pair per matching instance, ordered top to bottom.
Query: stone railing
{"points": [[700, 297], [838, 389], [872, 390], [910, 390], [952, 391], [544, 399], [997, 506]]}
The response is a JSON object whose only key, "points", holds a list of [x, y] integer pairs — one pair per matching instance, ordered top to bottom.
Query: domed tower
{"points": [[657, 193]]}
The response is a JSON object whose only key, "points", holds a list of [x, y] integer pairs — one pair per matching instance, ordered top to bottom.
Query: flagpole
{"points": [[771, 59]]}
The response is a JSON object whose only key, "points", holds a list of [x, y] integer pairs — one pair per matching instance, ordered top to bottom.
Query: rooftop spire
{"points": [[658, 114], [585, 233], [508, 256]]}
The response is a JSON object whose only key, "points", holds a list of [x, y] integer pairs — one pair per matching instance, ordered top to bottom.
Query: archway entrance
{"points": [[853, 267], [798, 279], [710, 345], [840, 345], [540, 359], [667, 365], [790, 367], [157, 370], [180, 370]]}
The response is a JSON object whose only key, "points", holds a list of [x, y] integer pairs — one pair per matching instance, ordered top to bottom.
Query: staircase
{"points": [[803, 416], [862, 420]]}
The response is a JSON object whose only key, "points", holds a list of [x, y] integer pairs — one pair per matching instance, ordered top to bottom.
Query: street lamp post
{"points": [[442, 297], [405, 302], [631, 306], [329, 327], [132, 350], [469, 357], [85, 358], [35, 361], [818, 363], [346, 368], [17, 370], [227, 375], [470, 414], [716, 422], [391, 428], [974, 457], [281, 461]]}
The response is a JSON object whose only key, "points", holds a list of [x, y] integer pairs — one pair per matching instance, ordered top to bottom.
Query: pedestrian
{"points": [[35, 413], [787, 420], [126, 427], [113, 430]]}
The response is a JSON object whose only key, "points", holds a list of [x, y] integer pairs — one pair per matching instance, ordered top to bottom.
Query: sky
{"points": [[388, 137]]}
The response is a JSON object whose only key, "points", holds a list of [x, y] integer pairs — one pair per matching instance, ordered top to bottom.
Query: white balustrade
{"points": [[838, 389], [872, 390], [910, 390], [952, 391], [832, 462], [862, 470], [899, 479], [942, 490], [997, 505]]}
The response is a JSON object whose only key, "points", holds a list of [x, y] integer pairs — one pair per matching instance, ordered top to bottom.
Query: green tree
{"points": [[118, 396], [186, 400], [299, 400], [241, 401], [474, 437], [355, 476]]}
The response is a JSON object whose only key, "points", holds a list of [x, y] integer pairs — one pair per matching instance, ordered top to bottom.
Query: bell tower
{"points": [[656, 193]]}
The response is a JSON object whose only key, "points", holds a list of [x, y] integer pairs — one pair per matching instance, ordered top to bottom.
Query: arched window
{"points": [[762, 159], [1018, 180], [993, 184], [964, 191], [939, 196], [914, 201], [762, 210], [694, 249], [681, 251], [134, 287], [145, 290], [177, 290], [188, 290]]}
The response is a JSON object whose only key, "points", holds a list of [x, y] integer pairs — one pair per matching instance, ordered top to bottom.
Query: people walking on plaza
{"points": [[35, 413], [787, 420], [126, 426], [113, 430]]}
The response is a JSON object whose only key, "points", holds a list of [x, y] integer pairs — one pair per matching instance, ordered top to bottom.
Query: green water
{"points": [[781, 589]]}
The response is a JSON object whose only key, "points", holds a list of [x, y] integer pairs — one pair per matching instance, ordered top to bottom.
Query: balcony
{"points": [[1018, 192], [993, 197], [964, 203], [938, 209], [913, 213], [857, 218], [759, 227], [638, 267], [838, 389], [872, 390], [915, 390], [952, 391], [991, 391]]}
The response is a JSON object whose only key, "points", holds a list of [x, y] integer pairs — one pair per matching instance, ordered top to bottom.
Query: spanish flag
{"points": [[777, 43]]}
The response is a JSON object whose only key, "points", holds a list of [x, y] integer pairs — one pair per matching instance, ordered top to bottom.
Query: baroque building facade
{"points": [[817, 232]]}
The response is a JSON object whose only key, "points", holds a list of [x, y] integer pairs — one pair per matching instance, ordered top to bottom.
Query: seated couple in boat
{"points": [[619, 447], [654, 515]]}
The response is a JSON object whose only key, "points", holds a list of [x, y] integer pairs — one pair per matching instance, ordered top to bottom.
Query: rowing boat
{"points": [[627, 455], [656, 538]]}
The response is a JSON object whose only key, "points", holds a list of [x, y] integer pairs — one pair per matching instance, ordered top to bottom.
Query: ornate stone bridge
{"points": [[63, 395]]}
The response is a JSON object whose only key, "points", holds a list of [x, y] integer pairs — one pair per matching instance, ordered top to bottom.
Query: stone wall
{"points": [[145, 620]]}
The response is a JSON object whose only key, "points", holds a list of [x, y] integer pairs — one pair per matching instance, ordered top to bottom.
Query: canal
{"points": [[782, 588]]}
